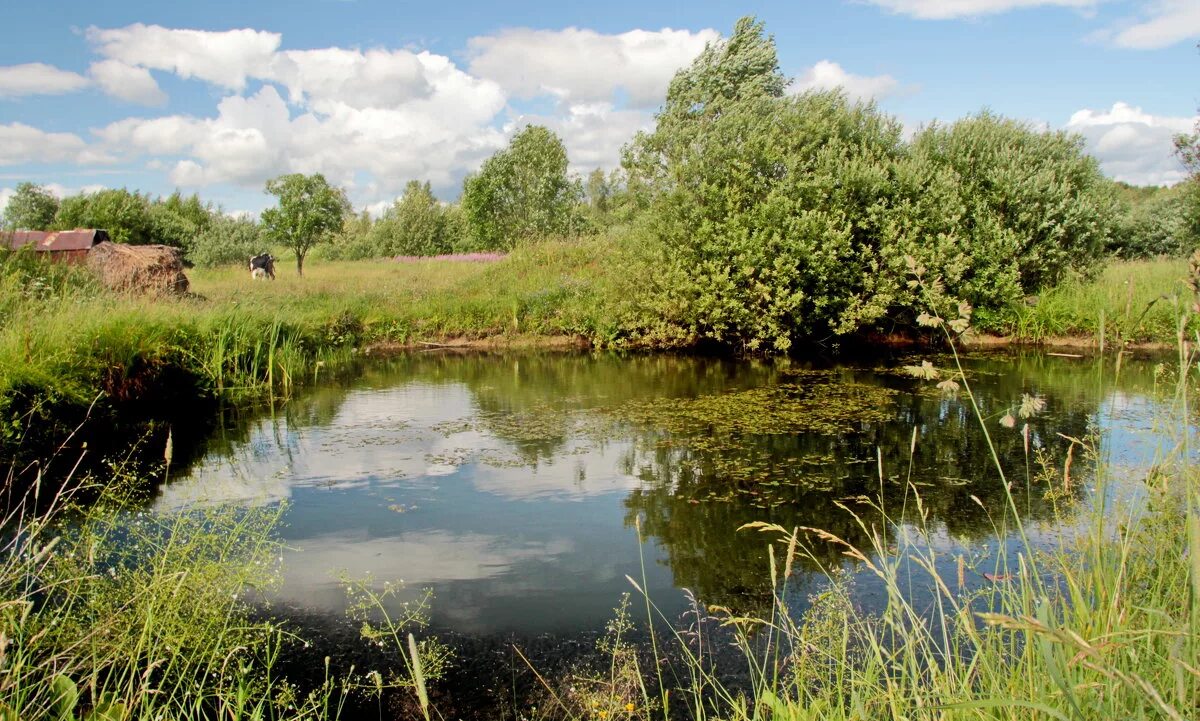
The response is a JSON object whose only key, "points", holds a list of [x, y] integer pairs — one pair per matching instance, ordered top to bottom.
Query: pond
{"points": [[525, 490]]}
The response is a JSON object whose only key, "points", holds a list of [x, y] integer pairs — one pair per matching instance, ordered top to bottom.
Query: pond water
{"points": [[514, 486]]}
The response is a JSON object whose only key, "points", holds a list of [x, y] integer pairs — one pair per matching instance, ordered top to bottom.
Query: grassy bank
{"points": [[1133, 301], [68, 350]]}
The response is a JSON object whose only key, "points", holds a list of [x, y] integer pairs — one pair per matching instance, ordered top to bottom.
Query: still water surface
{"points": [[510, 485]]}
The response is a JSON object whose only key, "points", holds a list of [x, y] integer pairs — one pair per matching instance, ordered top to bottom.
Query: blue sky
{"points": [[216, 97]]}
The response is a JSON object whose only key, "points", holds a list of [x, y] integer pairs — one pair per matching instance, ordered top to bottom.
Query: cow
{"points": [[262, 266]]}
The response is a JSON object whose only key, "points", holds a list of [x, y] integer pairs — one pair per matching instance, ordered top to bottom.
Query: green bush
{"points": [[521, 192], [1031, 206], [124, 214], [780, 217], [1154, 222], [414, 225], [225, 241]]}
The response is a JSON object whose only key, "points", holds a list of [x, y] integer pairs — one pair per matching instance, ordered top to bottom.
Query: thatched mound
{"points": [[154, 269]]}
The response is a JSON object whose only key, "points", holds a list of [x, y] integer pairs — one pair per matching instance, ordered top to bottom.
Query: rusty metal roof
{"points": [[56, 241]]}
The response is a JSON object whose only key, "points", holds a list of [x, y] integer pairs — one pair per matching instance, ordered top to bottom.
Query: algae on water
{"points": [[822, 404]]}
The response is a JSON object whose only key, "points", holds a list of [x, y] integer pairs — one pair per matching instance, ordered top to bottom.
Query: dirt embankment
{"points": [[1068, 345]]}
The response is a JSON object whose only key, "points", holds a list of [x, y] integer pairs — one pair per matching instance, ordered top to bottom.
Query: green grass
{"points": [[552, 288], [1136, 301], [111, 613]]}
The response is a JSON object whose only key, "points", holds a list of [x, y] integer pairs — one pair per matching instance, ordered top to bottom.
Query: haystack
{"points": [[152, 269]]}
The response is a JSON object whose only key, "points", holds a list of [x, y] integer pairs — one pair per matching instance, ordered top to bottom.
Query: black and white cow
{"points": [[262, 266]]}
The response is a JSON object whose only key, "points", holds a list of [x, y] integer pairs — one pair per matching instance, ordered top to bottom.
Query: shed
{"points": [[68, 246]]}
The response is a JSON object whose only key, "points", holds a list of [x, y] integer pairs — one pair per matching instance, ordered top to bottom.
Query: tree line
{"points": [[765, 214]]}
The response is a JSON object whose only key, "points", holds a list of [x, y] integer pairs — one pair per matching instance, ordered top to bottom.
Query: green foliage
{"points": [[744, 66], [741, 68], [1187, 148], [521, 192], [608, 200], [32, 207], [1031, 207], [309, 212], [124, 214], [777, 218], [176, 221], [1153, 223], [416, 224], [768, 225], [225, 240], [353, 242], [122, 614]]}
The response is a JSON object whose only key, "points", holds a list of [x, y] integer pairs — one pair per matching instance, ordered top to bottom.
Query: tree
{"points": [[729, 73], [1187, 147], [522, 191], [32, 207], [310, 211], [124, 214], [777, 217], [177, 221], [414, 225], [225, 240]]}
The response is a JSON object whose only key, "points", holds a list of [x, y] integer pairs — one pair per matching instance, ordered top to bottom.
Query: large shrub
{"points": [[1034, 206], [124, 214], [779, 217], [176, 220], [770, 221], [1153, 222], [416, 224]]}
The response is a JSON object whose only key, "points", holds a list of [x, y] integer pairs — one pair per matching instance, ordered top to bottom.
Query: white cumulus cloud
{"points": [[225, 58], [579, 65], [826, 75], [375, 78], [38, 79], [127, 82], [593, 133], [439, 136], [20, 143], [1131, 144]]}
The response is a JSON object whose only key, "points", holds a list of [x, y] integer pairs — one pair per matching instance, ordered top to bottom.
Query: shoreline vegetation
{"points": [[750, 221], [69, 349]]}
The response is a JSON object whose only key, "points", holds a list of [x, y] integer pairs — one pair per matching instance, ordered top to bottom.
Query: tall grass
{"points": [[1137, 301], [110, 613]]}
